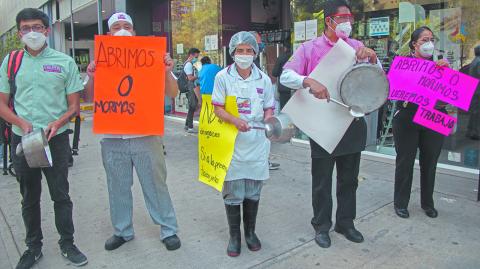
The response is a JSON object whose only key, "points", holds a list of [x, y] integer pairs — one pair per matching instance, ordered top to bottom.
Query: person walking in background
{"points": [[207, 74], [192, 76], [284, 91], [473, 129]]}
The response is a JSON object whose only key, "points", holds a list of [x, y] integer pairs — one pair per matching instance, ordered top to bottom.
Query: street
{"points": [[283, 224]]}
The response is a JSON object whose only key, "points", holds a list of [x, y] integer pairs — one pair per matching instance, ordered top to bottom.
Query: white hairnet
{"points": [[243, 38]]}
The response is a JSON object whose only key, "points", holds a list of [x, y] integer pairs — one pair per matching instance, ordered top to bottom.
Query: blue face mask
{"points": [[261, 47], [194, 60]]}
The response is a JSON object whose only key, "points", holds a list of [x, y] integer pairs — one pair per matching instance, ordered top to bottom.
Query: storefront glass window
{"points": [[386, 26]]}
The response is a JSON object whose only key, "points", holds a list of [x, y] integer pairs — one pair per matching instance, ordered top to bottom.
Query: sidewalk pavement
{"points": [[449, 241]]}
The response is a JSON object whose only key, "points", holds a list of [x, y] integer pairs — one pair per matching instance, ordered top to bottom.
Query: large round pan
{"points": [[364, 86]]}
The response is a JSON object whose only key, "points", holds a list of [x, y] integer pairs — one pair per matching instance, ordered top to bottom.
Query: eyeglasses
{"points": [[342, 17], [35, 28]]}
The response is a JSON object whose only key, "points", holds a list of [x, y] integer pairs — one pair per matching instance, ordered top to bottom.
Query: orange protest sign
{"points": [[129, 85]]}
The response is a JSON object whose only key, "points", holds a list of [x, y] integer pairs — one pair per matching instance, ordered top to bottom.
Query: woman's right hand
{"points": [[91, 70], [241, 125]]}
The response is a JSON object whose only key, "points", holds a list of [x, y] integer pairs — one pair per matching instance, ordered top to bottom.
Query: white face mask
{"points": [[343, 29], [123, 32], [34, 40], [427, 49], [244, 61]]}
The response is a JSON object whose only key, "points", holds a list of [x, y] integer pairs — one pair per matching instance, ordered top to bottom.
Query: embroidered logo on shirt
{"points": [[52, 68], [259, 90], [244, 105]]}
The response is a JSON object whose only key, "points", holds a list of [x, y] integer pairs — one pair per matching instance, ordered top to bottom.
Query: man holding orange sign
{"points": [[129, 111]]}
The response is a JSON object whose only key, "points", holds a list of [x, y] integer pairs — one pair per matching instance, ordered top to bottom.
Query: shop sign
{"points": [[379, 26]]}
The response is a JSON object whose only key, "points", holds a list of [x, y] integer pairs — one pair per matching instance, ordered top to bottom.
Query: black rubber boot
{"points": [[250, 209], [233, 217]]}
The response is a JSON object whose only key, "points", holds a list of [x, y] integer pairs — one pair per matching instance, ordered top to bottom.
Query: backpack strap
{"points": [[15, 59]]}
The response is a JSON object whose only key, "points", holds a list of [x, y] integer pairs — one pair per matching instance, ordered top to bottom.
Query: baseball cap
{"points": [[119, 16]]}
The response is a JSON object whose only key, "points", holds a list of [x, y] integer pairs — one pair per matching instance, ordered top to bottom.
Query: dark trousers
{"points": [[284, 97], [192, 106], [473, 128], [408, 137], [347, 182], [31, 189]]}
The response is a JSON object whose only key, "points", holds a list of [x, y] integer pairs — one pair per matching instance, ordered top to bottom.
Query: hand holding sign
{"points": [[424, 83], [129, 85]]}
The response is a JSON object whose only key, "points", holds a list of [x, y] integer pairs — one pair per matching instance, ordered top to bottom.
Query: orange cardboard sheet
{"points": [[129, 85]]}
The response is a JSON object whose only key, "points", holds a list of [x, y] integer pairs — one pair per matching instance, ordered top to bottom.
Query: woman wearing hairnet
{"points": [[249, 166]]}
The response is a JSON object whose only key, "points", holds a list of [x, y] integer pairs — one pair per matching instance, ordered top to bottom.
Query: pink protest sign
{"points": [[423, 83], [435, 120]]}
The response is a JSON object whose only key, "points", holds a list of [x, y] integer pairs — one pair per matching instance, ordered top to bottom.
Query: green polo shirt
{"points": [[43, 83]]}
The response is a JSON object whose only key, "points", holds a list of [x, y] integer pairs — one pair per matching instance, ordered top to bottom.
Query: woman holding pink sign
{"points": [[410, 136]]}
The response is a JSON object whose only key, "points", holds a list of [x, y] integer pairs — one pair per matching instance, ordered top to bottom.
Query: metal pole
{"points": [[99, 17], [72, 30], [77, 118]]}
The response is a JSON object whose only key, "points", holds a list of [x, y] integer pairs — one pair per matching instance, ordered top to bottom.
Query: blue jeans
{"points": [[146, 155]]}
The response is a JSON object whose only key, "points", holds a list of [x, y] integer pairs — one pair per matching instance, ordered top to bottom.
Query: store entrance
{"points": [[270, 19]]}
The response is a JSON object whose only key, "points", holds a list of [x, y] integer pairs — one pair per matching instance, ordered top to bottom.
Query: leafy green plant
{"points": [[11, 42]]}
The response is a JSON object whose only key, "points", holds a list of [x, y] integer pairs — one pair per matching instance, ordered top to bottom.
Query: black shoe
{"points": [[273, 166], [250, 210], [402, 212], [431, 212], [233, 217], [350, 233], [323, 239], [114, 242], [172, 242], [74, 255], [29, 258]]}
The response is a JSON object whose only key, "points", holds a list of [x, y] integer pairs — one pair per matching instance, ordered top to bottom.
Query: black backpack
{"points": [[182, 82]]}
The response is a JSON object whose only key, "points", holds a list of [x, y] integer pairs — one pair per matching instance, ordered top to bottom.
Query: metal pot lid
{"points": [[364, 86]]}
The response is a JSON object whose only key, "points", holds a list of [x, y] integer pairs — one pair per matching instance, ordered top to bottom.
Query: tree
{"points": [[11, 42]]}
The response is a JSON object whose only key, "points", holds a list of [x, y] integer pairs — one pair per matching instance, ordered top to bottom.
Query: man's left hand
{"points": [[366, 53], [169, 63], [52, 129]]}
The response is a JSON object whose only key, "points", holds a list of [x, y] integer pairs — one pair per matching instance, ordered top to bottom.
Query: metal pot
{"points": [[365, 87], [280, 128], [34, 147]]}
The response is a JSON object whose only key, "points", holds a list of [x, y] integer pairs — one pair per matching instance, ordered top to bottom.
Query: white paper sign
{"points": [[311, 29], [299, 30], [207, 42], [214, 42], [179, 48], [325, 123]]}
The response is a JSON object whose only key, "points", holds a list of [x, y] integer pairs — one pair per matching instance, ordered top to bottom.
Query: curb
{"points": [[8, 242]]}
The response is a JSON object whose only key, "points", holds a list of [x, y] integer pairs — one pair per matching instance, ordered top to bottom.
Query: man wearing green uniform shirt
{"points": [[47, 96]]}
